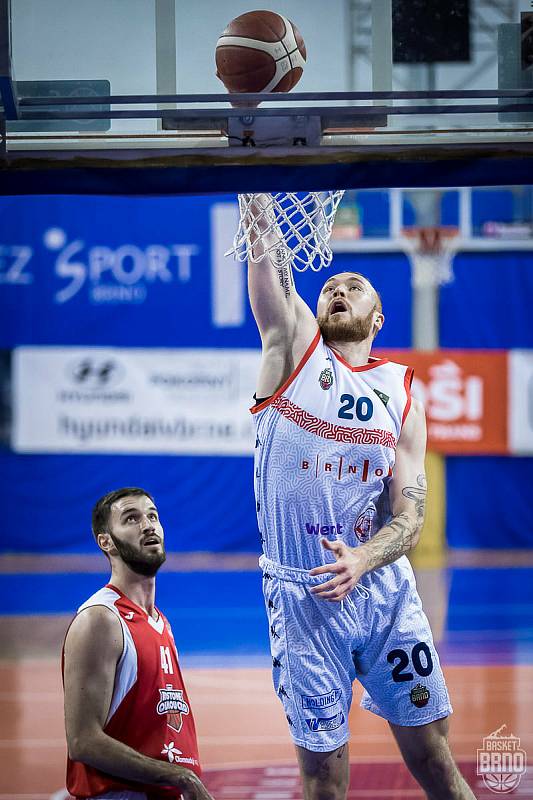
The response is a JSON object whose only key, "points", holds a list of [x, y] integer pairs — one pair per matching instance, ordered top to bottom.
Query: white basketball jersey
{"points": [[324, 454]]}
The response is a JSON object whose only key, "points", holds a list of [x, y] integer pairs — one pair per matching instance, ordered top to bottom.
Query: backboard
{"points": [[122, 98]]}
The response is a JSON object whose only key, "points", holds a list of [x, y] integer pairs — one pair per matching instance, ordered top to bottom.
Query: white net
{"points": [[290, 227], [431, 251]]}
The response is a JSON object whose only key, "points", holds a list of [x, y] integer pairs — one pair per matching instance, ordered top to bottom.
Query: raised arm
{"points": [[285, 322], [408, 499], [92, 650]]}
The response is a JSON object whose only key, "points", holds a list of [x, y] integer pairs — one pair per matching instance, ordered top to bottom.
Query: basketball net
{"points": [[291, 228], [431, 251]]}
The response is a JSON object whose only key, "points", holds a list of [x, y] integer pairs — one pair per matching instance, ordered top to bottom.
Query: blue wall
{"points": [[50, 294]]}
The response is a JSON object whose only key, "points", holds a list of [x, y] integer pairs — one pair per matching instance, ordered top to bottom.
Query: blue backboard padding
{"points": [[491, 168], [489, 303], [489, 501]]}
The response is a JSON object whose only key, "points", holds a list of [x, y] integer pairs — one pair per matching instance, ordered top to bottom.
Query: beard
{"points": [[353, 329], [142, 563]]}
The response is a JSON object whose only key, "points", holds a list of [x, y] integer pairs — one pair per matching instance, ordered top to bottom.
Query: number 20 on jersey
{"points": [[363, 407]]}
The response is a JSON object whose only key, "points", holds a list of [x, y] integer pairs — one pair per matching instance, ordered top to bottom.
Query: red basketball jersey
{"points": [[150, 710]]}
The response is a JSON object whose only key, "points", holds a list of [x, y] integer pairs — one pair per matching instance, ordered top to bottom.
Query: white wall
{"points": [[321, 23], [87, 39], [115, 40]]}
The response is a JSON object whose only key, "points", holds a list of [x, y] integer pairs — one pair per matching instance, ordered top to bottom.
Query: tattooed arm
{"points": [[286, 324], [407, 495], [408, 498]]}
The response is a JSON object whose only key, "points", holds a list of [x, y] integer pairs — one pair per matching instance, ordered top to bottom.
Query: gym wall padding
{"points": [[489, 303], [489, 306], [207, 501], [489, 502]]}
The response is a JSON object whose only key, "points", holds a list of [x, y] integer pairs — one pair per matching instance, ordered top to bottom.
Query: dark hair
{"points": [[102, 507]]}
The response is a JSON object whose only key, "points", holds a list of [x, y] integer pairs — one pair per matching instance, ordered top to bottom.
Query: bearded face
{"points": [[345, 327], [144, 559]]}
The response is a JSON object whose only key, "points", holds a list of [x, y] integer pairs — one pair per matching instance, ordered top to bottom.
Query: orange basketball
{"points": [[260, 51]]}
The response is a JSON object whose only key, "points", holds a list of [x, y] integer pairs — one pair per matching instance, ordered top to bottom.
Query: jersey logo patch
{"points": [[325, 378], [382, 396], [363, 524], [420, 696], [321, 700], [172, 704], [325, 723], [171, 752], [174, 755]]}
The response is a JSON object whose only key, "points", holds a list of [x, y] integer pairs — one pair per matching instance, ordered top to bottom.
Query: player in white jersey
{"points": [[340, 495]]}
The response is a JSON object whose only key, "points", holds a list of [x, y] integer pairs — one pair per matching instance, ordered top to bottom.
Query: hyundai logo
{"points": [[95, 373]]}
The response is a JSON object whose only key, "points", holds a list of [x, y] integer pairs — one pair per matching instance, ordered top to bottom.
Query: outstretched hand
{"points": [[348, 568]]}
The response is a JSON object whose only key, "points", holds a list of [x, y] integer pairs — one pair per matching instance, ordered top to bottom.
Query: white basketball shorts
{"points": [[379, 635]]}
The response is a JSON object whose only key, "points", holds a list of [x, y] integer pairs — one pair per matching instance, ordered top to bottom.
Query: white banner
{"points": [[110, 400], [521, 402]]}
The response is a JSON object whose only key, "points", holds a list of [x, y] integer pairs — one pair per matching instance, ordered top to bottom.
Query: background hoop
{"points": [[431, 250]]}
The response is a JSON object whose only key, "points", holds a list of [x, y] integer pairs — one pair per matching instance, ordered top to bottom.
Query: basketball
{"points": [[260, 51]]}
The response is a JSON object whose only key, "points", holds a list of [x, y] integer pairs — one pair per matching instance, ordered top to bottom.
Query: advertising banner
{"points": [[121, 272], [144, 272], [464, 393], [98, 400], [112, 400], [521, 402]]}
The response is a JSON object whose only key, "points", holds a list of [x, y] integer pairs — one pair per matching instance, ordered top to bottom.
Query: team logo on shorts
{"points": [[325, 378], [363, 524], [420, 696], [172, 704], [325, 723], [501, 762]]}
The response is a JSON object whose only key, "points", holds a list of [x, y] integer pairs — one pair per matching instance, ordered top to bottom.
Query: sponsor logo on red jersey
{"points": [[172, 704]]}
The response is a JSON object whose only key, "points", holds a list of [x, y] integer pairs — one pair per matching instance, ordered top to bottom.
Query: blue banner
{"points": [[144, 272]]}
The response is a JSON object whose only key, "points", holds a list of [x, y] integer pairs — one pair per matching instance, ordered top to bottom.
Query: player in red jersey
{"points": [[129, 726]]}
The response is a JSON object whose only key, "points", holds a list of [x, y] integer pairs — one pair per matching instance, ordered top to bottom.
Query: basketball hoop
{"points": [[293, 228], [430, 250]]}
